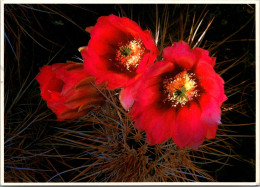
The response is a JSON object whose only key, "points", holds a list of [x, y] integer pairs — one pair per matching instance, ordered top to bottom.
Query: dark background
{"points": [[53, 33]]}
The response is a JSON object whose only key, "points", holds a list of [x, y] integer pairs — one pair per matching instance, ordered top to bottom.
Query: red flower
{"points": [[117, 51], [68, 90], [179, 97]]}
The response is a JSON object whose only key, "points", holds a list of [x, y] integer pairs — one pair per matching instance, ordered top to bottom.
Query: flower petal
{"points": [[88, 29], [181, 54], [202, 56], [98, 67], [204, 70], [48, 81], [210, 86], [213, 87], [80, 97], [126, 97], [211, 113], [70, 114], [143, 119], [159, 129], [189, 131], [211, 131]]}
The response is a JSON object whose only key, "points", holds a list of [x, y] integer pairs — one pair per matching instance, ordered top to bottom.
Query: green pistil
{"points": [[125, 51], [180, 94]]}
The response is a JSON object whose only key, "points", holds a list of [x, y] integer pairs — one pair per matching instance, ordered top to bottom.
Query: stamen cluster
{"points": [[129, 55], [180, 89]]}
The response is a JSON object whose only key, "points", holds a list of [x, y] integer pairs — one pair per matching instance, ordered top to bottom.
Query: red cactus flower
{"points": [[117, 51], [68, 90], [179, 97]]}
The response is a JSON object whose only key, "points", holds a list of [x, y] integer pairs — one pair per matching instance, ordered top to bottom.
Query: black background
{"points": [[53, 33]]}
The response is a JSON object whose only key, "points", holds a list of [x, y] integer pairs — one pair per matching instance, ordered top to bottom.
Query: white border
{"points": [[132, 1], [256, 2], [257, 93], [2, 94], [134, 183]]}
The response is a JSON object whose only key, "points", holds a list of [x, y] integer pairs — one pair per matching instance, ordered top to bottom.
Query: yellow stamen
{"points": [[130, 55], [180, 89]]}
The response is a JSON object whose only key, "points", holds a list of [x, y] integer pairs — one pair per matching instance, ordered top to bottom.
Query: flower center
{"points": [[125, 51], [129, 55], [180, 89]]}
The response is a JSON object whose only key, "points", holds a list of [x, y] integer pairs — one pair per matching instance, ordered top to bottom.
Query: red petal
{"points": [[88, 29], [106, 29], [106, 49], [181, 54], [202, 56], [143, 66], [98, 67], [158, 69], [204, 70], [70, 75], [48, 80], [116, 80], [150, 84], [211, 86], [214, 88], [127, 94], [148, 95], [222, 96], [53, 97], [81, 97], [126, 98], [58, 107], [211, 113], [70, 114], [142, 115], [159, 129], [189, 130], [211, 131]]}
